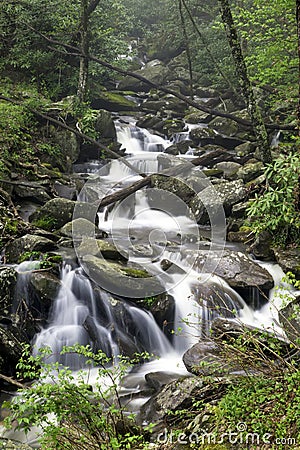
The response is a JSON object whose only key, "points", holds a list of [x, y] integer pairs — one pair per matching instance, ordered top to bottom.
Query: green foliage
{"points": [[24, 49], [277, 210], [47, 223], [46, 260], [268, 407], [71, 413]]}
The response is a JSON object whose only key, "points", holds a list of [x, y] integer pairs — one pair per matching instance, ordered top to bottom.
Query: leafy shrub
{"points": [[278, 209], [70, 412]]}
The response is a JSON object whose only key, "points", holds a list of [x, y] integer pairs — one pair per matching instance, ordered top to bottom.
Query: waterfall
{"points": [[137, 140]]}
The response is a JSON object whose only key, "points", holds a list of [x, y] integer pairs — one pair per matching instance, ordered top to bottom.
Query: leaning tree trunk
{"points": [[298, 32], [84, 49], [241, 69]]}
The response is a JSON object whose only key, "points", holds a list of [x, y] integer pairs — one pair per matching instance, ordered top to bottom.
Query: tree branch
{"points": [[75, 51], [73, 130]]}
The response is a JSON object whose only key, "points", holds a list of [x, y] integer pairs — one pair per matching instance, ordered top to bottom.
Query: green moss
{"points": [[46, 223], [135, 273]]}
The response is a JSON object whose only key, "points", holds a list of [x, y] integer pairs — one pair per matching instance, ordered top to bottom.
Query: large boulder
{"points": [[155, 71], [112, 101], [105, 125], [32, 190], [224, 195], [59, 211], [28, 243], [289, 260], [237, 269], [44, 287], [290, 319]]}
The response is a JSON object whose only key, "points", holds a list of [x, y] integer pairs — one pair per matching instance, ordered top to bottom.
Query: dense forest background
{"points": [[62, 64]]}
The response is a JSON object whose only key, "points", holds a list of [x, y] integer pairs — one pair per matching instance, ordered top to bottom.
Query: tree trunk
{"points": [[298, 32], [84, 49], [241, 69]]}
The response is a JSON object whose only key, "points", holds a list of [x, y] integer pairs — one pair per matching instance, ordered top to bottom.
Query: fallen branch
{"points": [[75, 51], [73, 130], [171, 172], [12, 381]]}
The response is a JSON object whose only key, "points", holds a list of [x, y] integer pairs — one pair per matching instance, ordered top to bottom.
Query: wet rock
{"points": [[154, 71], [112, 101], [194, 116], [150, 121], [105, 125], [224, 126], [206, 136], [245, 148], [229, 169], [250, 171], [32, 191], [67, 191], [224, 195], [239, 210], [59, 211], [79, 228], [240, 236], [28, 243], [262, 247], [100, 248], [289, 260], [234, 267], [119, 278], [8, 279], [45, 287], [163, 310], [289, 318], [10, 348], [205, 359], [157, 380], [175, 396]]}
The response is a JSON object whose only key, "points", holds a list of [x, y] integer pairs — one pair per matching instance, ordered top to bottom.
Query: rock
{"points": [[154, 71], [112, 101], [194, 116], [149, 121], [105, 125], [224, 126], [205, 136], [68, 148], [245, 148], [229, 169], [250, 171], [32, 190], [67, 191], [224, 194], [239, 210], [59, 211], [79, 228], [240, 236], [28, 243], [97, 247], [262, 247], [289, 260], [237, 269], [121, 279], [8, 280], [45, 287], [163, 310], [289, 318], [10, 348], [205, 359], [157, 380], [175, 396], [13, 445]]}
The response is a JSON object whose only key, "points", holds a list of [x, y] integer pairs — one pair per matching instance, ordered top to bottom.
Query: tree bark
{"points": [[298, 32], [84, 50], [241, 69]]}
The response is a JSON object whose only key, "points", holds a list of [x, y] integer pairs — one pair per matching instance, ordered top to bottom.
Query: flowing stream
{"points": [[149, 235]]}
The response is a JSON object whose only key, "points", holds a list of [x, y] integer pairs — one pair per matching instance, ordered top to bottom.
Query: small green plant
{"points": [[277, 210], [47, 223], [47, 261], [71, 413]]}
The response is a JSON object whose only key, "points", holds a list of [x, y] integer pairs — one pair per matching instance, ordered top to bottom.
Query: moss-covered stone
{"points": [[112, 101]]}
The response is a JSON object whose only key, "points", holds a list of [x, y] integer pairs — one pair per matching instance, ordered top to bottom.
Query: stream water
{"points": [[149, 228]]}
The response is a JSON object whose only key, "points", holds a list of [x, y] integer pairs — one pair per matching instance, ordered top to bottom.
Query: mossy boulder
{"points": [[155, 71], [112, 101], [105, 125], [59, 211], [26, 244], [98, 247], [118, 278], [45, 287]]}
